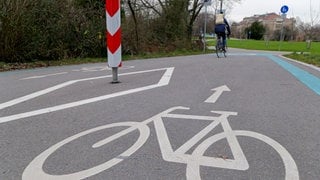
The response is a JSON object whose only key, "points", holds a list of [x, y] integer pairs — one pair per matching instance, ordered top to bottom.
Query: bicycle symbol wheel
{"points": [[35, 169], [193, 169]]}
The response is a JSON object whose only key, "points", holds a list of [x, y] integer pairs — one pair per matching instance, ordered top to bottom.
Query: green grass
{"points": [[273, 45], [288, 46], [299, 50], [313, 59]]}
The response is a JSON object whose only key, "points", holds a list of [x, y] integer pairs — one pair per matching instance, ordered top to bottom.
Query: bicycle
{"points": [[221, 50], [193, 161]]}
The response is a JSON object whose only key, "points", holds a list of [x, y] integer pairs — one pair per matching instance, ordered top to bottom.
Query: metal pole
{"points": [[221, 5], [205, 29], [281, 33], [115, 75]]}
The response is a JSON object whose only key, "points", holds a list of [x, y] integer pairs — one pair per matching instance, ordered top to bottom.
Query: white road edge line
{"points": [[165, 79]]}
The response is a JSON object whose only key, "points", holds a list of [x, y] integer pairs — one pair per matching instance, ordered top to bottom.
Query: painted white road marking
{"points": [[242, 54], [92, 69], [43, 76], [165, 79], [68, 83], [217, 93], [34, 95], [126, 131], [180, 155], [193, 161], [291, 169], [34, 170]]}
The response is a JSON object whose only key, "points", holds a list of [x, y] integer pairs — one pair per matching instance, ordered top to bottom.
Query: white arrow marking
{"points": [[218, 91]]}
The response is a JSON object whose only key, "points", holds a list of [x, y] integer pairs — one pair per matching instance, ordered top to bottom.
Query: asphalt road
{"points": [[252, 115]]}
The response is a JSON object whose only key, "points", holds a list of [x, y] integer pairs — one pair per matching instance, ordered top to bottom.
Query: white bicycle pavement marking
{"points": [[165, 79], [126, 131], [180, 155], [193, 161], [291, 169], [34, 170]]}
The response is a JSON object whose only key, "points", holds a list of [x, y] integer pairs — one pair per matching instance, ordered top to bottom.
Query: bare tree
{"points": [[314, 15], [175, 18], [155, 23], [309, 28]]}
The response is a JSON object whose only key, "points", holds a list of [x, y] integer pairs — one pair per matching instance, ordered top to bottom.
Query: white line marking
{"points": [[242, 54], [93, 69], [43, 76], [165, 79], [59, 86], [218, 91], [145, 122], [195, 139], [197, 158], [193, 161], [193, 167], [35, 168], [292, 172]]}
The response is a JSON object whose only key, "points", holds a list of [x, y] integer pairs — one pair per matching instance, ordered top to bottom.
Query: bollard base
{"points": [[115, 75], [115, 82]]}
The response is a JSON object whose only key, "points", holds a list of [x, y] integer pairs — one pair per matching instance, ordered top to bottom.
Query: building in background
{"points": [[273, 24]]}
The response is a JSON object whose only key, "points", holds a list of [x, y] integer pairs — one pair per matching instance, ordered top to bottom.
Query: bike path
{"points": [[310, 80], [268, 100]]}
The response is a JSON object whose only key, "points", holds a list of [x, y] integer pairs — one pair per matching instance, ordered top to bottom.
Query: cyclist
{"points": [[222, 28]]}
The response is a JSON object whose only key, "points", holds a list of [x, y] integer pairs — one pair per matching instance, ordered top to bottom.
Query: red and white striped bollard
{"points": [[113, 35]]}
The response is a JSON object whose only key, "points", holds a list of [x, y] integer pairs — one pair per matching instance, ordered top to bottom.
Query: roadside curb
{"points": [[302, 63]]}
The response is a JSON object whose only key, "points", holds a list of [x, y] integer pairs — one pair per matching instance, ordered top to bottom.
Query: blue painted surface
{"points": [[305, 77]]}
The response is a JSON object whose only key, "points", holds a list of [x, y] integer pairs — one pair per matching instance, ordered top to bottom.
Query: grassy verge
{"points": [[299, 51], [313, 59], [37, 64]]}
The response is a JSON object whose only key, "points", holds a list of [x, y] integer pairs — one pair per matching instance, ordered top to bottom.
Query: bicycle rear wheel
{"points": [[218, 51], [225, 52], [35, 168]]}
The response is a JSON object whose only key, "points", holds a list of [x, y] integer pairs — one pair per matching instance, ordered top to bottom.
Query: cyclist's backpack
{"points": [[219, 19], [220, 26]]}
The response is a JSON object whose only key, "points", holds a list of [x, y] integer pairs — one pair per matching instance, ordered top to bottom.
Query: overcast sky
{"points": [[300, 8]]}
